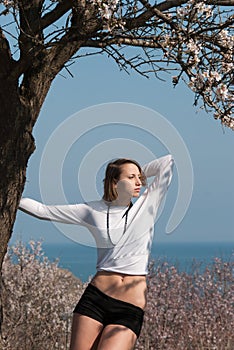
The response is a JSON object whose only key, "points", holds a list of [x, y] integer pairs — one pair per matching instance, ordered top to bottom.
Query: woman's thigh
{"points": [[86, 333], [115, 337]]}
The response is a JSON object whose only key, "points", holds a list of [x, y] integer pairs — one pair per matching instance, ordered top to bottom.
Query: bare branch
{"points": [[220, 2], [60, 10], [149, 13], [83, 25], [30, 32], [193, 39], [130, 41], [6, 60]]}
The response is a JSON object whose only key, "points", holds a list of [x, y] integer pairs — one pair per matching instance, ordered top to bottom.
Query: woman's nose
{"points": [[138, 181]]}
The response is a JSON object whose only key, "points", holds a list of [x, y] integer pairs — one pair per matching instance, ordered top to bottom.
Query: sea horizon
{"points": [[81, 260]]}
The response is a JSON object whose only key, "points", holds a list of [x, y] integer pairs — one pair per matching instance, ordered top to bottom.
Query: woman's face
{"points": [[129, 181]]}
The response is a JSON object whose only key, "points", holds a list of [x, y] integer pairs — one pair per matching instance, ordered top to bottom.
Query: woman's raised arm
{"points": [[161, 168]]}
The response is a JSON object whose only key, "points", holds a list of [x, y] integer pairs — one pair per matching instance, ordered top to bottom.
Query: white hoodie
{"points": [[123, 252]]}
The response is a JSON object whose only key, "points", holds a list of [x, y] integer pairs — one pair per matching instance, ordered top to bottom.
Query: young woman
{"points": [[110, 313]]}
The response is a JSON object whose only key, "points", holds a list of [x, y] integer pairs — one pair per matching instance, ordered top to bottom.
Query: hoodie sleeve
{"points": [[161, 169], [68, 214]]}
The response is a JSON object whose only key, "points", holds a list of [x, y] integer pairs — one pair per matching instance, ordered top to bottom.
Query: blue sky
{"points": [[97, 80]]}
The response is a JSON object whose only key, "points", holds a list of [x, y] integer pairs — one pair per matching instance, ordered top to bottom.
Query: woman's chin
{"points": [[136, 194]]}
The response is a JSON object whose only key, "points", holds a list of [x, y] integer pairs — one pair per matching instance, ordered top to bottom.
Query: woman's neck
{"points": [[121, 202]]}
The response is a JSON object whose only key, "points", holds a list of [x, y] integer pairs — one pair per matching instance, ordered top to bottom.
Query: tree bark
{"points": [[20, 107], [16, 145]]}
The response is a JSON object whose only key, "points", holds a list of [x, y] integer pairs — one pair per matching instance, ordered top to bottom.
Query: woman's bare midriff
{"points": [[131, 289]]}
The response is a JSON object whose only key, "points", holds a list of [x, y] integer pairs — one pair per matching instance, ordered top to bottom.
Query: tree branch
{"points": [[220, 2], [165, 6], [63, 7], [149, 13], [160, 15], [84, 24], [30, 32], [173, 32], [118, 40], [6, 60]]}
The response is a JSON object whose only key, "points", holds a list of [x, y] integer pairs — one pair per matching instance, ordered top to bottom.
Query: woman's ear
{"points": [[114, 183]]}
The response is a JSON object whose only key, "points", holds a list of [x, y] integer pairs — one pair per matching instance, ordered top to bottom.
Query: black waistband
{"points": [[93, 288]]}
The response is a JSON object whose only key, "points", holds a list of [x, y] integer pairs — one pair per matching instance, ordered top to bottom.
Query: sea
{"points": [[81, 260]]}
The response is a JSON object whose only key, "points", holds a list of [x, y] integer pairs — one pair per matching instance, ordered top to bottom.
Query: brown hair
{"points": [[113, 171]]}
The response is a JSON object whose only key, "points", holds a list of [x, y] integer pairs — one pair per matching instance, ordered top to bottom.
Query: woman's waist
{"points": [[129, 288]]}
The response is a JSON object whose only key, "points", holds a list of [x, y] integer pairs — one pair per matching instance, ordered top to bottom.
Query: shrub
{"points": [[38, 300], [185, 311], [189, 311]]}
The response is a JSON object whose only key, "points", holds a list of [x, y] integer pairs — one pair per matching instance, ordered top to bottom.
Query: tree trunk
{"points": [[20, 107], [18, 113], [16, 145], [14, 156]]}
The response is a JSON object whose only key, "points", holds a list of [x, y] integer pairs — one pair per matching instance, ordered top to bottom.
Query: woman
{"points": [[110, 313]]}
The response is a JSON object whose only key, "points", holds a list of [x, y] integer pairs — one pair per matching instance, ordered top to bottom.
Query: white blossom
{"points": [[8, 3], [204, 9], [182, 11], [106, 12], [193, 47], [206, 74], [215, 76], [197, 82], [222, 92]]}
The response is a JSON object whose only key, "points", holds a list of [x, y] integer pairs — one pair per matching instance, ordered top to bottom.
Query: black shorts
{"points": [[107, 310]]}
